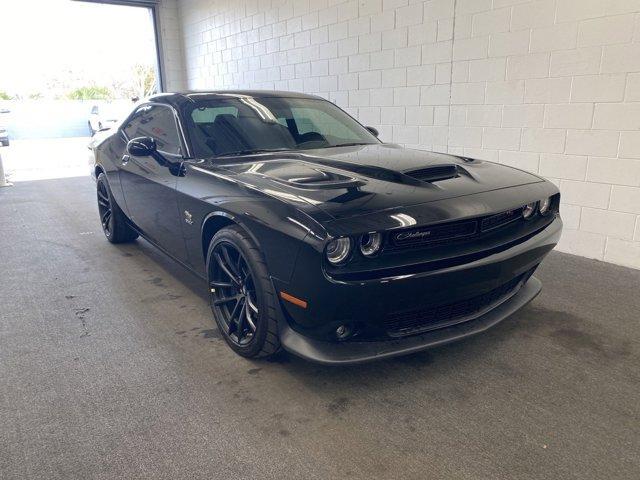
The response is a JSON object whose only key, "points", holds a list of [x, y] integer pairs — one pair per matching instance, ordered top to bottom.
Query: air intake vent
{"points": [[435, 173]]}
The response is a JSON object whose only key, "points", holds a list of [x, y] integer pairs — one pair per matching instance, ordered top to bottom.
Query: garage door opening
{"points": [[73, 69]]}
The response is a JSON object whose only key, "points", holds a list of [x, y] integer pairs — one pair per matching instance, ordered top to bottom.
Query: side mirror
{"points": [[374, 131], [141, 147]]}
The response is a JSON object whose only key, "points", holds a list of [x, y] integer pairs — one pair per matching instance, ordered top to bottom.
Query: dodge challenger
{"points": [[316, 237]]}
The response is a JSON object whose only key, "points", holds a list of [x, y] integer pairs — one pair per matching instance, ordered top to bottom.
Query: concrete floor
{"points": [[110, 367]]}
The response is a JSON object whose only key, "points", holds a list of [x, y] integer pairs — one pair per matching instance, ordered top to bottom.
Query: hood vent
{"points": [[434, 173]]}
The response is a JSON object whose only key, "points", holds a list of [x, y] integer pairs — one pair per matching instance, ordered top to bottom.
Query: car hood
{"points": [[345, 182]]}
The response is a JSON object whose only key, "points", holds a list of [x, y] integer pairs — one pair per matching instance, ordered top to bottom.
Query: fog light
{"points": [[529, 209]]}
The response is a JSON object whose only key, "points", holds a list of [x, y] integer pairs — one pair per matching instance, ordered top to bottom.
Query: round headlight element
{"points": [[545, 205], [529, 209], [370, 243], [338, 250]]}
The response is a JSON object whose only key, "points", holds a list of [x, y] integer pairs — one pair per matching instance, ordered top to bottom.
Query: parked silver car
{"points": [[104, 116], [4, 133]]}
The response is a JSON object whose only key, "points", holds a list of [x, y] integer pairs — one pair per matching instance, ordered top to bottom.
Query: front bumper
{"points": [[370, 305], [345, 353]]}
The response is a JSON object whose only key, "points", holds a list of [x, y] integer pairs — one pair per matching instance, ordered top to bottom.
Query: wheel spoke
{"points": [[102, 196], [103, 203], [106, 217], [229, 262], [226, 269], [221, 284], [223, 300], [252, 305], [235, 311], [248, 315], [240, 322]]}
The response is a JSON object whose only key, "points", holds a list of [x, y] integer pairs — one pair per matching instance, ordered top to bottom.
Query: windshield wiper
{"points": [[351, 144], [250, 151]]}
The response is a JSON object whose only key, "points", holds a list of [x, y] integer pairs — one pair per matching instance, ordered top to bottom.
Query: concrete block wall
{"points": [[171, 45], [550, 86]]}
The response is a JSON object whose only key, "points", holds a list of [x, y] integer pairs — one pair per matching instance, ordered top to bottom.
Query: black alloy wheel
{"points": [[105, 210], [113, 220], [233, 294], [242, 296]]}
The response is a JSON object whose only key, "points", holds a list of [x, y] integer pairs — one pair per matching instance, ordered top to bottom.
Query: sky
{"points": [[91, 43]]}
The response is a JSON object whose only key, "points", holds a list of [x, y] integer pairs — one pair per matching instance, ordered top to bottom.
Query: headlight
{"points": [[545, 205], [529, 209], [370, 243], [338, 250]]}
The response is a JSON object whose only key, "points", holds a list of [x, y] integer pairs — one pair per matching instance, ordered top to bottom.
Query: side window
{"points": [[158, 123], [133, 125]]}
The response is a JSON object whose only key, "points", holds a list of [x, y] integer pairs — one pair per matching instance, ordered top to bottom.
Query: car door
{"points": [[149, 188]]}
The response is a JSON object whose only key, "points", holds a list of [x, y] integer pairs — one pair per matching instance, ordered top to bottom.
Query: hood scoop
{"points": [[434, 173], [310, 177]]}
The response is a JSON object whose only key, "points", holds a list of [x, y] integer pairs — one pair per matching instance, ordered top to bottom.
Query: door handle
{"points": [[125, 159]]}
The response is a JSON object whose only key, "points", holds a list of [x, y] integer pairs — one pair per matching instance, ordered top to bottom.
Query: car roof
{"points": [[179, 99]]}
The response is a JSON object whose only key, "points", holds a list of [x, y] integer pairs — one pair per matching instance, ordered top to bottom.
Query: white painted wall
{"points": [[551, 86]]}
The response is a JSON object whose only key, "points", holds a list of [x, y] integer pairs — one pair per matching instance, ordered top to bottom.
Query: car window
{"points": [[209, 114], [311, 120], [158, 123], [222, 126]]}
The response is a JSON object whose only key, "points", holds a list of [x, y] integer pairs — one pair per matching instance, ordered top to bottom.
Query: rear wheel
{"points": [[113, 220], [242, 297]]}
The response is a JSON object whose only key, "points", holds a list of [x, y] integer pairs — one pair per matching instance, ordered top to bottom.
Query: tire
{"points": [[5, 143], [113, 220], [264, 341]]}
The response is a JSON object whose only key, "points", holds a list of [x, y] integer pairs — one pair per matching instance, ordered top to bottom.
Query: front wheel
{"points": [[113, 220], [242, 296]]}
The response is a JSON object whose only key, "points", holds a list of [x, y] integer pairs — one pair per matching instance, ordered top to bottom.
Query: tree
{"points": [[143, 82], [90, 93], [4, 95]]}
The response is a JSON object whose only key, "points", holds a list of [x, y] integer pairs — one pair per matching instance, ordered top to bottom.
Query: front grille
{"points": [[500, 219], [452, 232], [437, 233], [401, 324]]}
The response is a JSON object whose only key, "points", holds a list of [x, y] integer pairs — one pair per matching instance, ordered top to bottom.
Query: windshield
{"points": [[242, 124]]}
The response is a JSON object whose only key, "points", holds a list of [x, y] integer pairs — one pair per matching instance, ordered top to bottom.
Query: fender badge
{"points": [[188, 217]]}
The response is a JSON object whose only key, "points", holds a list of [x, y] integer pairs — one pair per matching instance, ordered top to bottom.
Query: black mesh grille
{"points": [[500, 219], [455, 231], [437, 233], [401, 324]]}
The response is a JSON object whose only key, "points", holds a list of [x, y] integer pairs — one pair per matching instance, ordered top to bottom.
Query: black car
{"points": [[316, 237]]}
